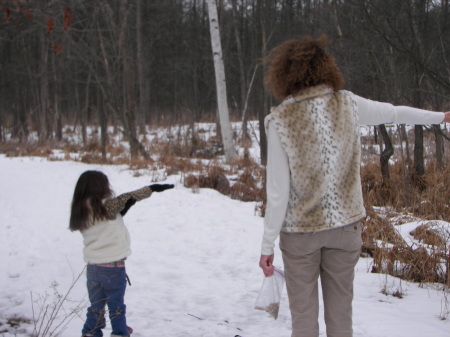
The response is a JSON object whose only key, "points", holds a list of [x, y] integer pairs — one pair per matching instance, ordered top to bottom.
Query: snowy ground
{"points": [[194, 268]]}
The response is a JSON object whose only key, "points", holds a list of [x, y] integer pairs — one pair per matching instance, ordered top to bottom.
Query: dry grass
{"points": [[26, 150], [244, 185], [427, 197], [403, 199], [389, 203], [424, 260]]}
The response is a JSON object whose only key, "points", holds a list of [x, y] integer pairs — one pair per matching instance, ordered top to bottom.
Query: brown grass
{"points": [[26, 149], [237, 181], [427, 197], [403, 199], [389, 203], [430, 234], [427, 260]]}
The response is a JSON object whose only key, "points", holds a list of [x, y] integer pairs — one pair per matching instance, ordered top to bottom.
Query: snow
{"points": [[194, 268]]}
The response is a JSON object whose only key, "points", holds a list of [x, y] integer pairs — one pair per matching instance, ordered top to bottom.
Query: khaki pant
{"points": [[332, 255]]}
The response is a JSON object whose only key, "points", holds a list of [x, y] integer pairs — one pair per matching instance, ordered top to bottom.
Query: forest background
{"points": [[135, 65]]}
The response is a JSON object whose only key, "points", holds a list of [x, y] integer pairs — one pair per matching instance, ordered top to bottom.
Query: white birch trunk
{"points": [[221, 87]]}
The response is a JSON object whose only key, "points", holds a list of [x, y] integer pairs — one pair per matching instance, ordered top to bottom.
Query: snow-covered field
{"points": [[194, 268]]}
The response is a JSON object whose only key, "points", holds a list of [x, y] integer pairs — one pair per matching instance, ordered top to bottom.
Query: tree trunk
{"points": [[336, 20], [242, 81], [128, 83], [221, 88], [143, 100], [85, 109], [262, 112], [42, 119], [57, 123], [103, 123], [2, 134], [439, 147], [418, 150], [387, 152], [419, 165], [408, 166]]}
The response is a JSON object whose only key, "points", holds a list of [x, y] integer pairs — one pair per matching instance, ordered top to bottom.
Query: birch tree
{"points": [[221, 87]]}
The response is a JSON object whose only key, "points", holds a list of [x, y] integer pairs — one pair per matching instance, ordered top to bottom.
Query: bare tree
{"points": [[97, 68], [242, 80], [128, 81], [220, 83], [44, 89], [143, 97], [387, 152]]}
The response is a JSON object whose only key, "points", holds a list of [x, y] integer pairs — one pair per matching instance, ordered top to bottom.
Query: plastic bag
{"points": [[269, 296]]}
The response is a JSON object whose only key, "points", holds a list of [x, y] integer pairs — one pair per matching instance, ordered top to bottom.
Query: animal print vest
{"points": [[319, 131]]}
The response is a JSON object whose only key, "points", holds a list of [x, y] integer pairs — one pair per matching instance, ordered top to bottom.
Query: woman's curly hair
{"points": [[298, 64]]}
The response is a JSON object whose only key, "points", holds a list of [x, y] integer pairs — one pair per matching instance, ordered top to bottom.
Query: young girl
{"points": [[97, 214]]}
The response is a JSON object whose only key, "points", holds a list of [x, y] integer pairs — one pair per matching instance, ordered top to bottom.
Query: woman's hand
{"points": [[447, 117], [266, 264]]}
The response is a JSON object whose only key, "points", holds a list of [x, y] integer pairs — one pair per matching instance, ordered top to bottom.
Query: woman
{"points": [[314, 196]]}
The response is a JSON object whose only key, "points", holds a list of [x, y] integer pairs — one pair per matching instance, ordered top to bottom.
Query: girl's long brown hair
{"points": [[295, 65], [87, 204]]}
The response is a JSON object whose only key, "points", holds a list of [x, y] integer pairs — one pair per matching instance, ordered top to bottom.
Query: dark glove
{"points": [[160, 187], [130, 202]]}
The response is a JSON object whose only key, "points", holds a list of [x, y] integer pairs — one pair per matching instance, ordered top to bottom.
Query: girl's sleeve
{"points": [[375, 113], [277, 187], [117, 204]]}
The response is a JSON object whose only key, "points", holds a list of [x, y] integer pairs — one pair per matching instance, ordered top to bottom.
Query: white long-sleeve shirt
{"points": [[278, 175]]}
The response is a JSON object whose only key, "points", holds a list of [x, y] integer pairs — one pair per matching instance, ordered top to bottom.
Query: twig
{"points": [[201, 319], [45, 321]]}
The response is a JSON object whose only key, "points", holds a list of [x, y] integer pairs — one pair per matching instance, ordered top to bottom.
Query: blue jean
{"points": [[106, 286]]}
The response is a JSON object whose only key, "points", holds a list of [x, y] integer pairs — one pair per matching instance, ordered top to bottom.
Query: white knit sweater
{"points": [[313, 180], [108, 240]]}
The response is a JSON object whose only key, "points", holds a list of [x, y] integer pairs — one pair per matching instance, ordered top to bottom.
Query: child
{"points": [[97, 214]]}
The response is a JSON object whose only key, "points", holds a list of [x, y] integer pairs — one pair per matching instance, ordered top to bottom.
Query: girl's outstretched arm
{"points": [[130, 202], [122, 203], [117, 204]]}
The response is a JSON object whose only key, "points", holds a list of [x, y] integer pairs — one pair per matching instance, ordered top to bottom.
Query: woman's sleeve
{"points": [[375, 113], [277, 187], [115, 205]]}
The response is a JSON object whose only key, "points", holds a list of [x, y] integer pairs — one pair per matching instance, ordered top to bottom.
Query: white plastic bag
{"points": [[269, 296]]}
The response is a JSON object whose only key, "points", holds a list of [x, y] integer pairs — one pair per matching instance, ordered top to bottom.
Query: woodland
{"points": [[134, 62], [137, 65]]}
